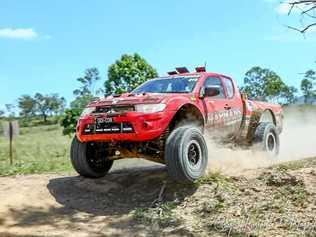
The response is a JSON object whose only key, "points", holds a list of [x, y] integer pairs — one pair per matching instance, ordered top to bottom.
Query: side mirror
{"points": [[211, 91]]}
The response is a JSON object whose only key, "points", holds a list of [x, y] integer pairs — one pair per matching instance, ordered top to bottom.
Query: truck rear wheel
{"points": [[267, 139], [186, 154], [89, 159]]}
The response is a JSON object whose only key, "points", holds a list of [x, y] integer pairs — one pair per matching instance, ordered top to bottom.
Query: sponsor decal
{"points": [[224, 117]]}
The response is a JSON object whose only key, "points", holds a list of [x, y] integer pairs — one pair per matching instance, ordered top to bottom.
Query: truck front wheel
{"points": [[267, 139], [186, 154], [89, 159]]}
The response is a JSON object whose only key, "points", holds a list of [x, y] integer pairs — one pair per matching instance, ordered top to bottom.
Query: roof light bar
{"points": [[200, 69], [182, 70], [172, 73]]}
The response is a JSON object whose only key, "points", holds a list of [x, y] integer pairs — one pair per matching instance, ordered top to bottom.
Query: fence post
{"points": [[11, 138]]}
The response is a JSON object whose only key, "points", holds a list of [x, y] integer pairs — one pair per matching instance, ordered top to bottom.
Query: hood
{"points": [[128, 99]]}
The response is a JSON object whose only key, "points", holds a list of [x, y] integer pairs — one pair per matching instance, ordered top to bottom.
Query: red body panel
{"points": [[224, 113], [146, 127]]}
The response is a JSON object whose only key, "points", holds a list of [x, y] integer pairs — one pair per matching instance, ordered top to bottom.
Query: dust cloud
{"points": [[298, 141]]}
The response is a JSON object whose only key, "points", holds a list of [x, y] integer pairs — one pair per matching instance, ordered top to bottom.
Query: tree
{"points": [[307, 10], [127, 73], [310, 74], [88, 81], [261, 83], [265, 84], [307, 85], [307, 89], [84, 94], [288, 95], [81, 101], [49, 104], [57, 104], [45, 105], [27, 106], [10, 109], [1, 113], [69, 121]]}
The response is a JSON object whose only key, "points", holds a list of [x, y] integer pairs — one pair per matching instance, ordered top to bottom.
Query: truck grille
{"points": [[114, 109], [107, 128]]}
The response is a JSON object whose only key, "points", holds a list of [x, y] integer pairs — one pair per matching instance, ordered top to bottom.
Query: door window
{"points": [[214, 81], [229, 87]]}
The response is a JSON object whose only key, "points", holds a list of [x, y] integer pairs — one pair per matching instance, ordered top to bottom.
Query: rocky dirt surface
{"points": [[274, 201]]}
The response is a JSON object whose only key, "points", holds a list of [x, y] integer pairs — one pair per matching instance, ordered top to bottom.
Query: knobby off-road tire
{"points": [[267, 139], [186, 154], [89, 160]]}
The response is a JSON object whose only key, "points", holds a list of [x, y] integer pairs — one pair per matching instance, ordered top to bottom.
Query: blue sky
{"points": [[46, 45]]}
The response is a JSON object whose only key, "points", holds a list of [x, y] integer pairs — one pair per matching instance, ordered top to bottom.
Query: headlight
{"points": [[150, 108], [87, 111]]}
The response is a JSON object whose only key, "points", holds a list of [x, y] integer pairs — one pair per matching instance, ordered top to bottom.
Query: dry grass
{"points": [[36, 150]]}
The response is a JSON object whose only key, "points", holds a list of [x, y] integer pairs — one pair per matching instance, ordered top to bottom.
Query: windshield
{"points": [[168, 85]]}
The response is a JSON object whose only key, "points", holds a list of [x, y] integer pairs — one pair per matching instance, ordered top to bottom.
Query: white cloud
{"points": [[18, 33]]}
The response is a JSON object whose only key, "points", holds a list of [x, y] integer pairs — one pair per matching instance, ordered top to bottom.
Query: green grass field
{"points": [[36, 150]]}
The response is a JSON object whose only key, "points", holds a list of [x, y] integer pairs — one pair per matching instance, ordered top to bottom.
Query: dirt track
{"points": [[67, 205], [70, 205]]}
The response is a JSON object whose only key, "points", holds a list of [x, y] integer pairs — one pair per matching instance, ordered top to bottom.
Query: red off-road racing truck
{"points": [[164, 120]]}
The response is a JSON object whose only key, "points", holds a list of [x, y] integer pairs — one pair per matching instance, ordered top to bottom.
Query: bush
{"points": [[69, 121]]}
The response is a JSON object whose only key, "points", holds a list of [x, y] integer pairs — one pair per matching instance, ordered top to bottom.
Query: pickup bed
{"points": [[165, 120]]}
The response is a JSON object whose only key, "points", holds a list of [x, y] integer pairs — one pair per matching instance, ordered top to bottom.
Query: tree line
{"points": [[264, 84], [37, 105]]}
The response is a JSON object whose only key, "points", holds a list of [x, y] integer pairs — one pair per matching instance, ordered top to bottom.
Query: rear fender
{"points": [[258, 116]]}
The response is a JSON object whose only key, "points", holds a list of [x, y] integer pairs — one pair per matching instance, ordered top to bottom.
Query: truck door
{"points": [[233, 105], [216, 108]]}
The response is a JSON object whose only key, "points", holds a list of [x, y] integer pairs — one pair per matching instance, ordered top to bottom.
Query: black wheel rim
{"points": [[194, 155], [96, 157]]}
